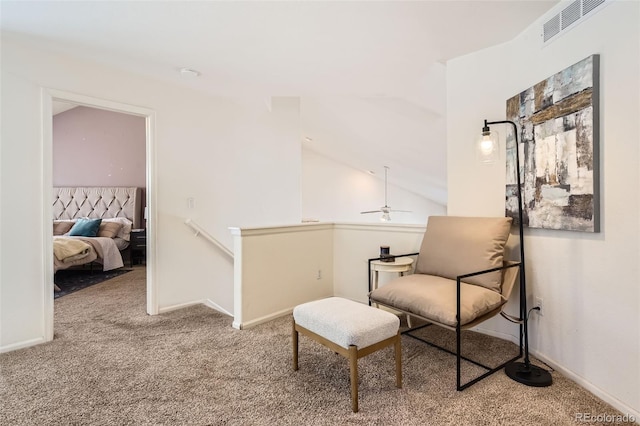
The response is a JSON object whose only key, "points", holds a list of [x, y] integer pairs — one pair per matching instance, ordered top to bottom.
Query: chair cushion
{"points": [[454, 246], [434, 298], [345, 322]]}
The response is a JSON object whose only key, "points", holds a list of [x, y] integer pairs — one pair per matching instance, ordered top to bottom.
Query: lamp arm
{"points": [[519, 183], [523, 281], [524, 372]]}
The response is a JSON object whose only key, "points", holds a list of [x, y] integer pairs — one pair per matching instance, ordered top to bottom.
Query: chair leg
{"points": [[294, 344], [398, 356], [458, 356], [353, 368]]}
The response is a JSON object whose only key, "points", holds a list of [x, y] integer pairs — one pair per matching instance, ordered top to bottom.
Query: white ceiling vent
{"points": [[589, 5], [569, 16], [551, 28]]}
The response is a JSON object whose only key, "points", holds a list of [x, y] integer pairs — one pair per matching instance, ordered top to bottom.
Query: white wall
{"points": [[239, 161], [334, 192], [21, 274], [589, 282]]}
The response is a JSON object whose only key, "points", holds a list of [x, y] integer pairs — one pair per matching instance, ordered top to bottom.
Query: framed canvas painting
{"points": [[558, 121]]}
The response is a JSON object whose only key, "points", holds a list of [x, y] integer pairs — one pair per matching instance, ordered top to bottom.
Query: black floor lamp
{"points": [[522, 372]]}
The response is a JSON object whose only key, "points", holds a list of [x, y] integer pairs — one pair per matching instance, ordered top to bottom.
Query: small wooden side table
{"points": [[400, 266]]}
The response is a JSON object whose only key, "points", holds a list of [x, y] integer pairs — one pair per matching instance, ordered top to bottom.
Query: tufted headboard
{"points": [[98, 202]]}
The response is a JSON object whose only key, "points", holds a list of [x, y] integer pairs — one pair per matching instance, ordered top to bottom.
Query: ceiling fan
{"points": [[385, 210]]}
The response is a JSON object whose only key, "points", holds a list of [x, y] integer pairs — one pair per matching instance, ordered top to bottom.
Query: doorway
{"points": [[51, 96]]}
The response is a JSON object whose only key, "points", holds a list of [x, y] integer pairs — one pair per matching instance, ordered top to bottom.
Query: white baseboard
{"points": [[207, 302], [213, 305], [266, 318], [504, 336], [22, 345], [581, 381]]}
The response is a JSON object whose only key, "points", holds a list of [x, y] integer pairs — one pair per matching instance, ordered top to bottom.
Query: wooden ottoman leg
{"points": [[294, 344], [398, 356], [353, 368]]}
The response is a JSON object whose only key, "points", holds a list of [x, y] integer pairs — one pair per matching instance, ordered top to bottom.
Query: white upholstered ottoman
{"points": [[349, 328]]}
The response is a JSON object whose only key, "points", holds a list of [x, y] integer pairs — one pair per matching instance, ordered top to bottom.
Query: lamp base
{"points": [[530, 376]]}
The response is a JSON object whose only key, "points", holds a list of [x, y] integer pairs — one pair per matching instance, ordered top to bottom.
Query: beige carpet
{"points": [[111, 364]]}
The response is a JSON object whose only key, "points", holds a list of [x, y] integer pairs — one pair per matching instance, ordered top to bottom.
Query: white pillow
{"points": [[125, 231]]}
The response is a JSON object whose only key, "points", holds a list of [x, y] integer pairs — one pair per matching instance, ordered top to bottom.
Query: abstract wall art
{"points": [[558, 121]]}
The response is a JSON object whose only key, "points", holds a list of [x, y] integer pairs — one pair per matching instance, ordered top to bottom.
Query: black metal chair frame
{"points": [[458, 329]]}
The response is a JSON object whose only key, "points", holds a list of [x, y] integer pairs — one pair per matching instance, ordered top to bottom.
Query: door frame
{"points": [[48, 96]]}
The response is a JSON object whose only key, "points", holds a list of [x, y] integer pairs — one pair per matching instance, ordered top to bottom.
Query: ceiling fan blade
{"points": [[371, 211], [402, 211]]}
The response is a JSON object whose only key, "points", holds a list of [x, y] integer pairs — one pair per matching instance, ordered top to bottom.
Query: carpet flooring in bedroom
{"points": [[72, 280]]}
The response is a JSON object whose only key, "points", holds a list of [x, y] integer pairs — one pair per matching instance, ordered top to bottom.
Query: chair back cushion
{"points": [[454, 246]]}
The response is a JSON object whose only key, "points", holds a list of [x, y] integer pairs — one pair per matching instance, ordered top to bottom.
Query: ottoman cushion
{"points": [[345, 322]]}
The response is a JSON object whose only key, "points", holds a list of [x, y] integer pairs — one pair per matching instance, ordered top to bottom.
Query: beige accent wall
{"points": [[277, 268]]}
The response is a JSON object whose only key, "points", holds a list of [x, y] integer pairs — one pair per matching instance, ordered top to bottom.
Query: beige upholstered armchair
{"points": [[460, 279]]}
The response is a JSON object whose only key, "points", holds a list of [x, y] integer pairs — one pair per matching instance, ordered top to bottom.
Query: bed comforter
{"points": [[73, 251]]}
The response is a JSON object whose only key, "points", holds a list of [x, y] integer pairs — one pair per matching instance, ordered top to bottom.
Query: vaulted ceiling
{"points": [[370, 75]]}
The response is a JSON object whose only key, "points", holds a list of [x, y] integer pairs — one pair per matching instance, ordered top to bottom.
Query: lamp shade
{"points": [[488, 146]]}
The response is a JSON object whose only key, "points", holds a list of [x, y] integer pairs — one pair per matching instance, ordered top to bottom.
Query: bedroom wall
{"points": [[96, 147], [238, 160], [333, 192], [589, 282]]}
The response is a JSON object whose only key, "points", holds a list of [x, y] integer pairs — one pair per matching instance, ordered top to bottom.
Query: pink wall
{"points": [[94, 147]]}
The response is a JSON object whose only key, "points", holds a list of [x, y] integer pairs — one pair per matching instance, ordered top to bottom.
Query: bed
{"points": [[93, 224]]}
